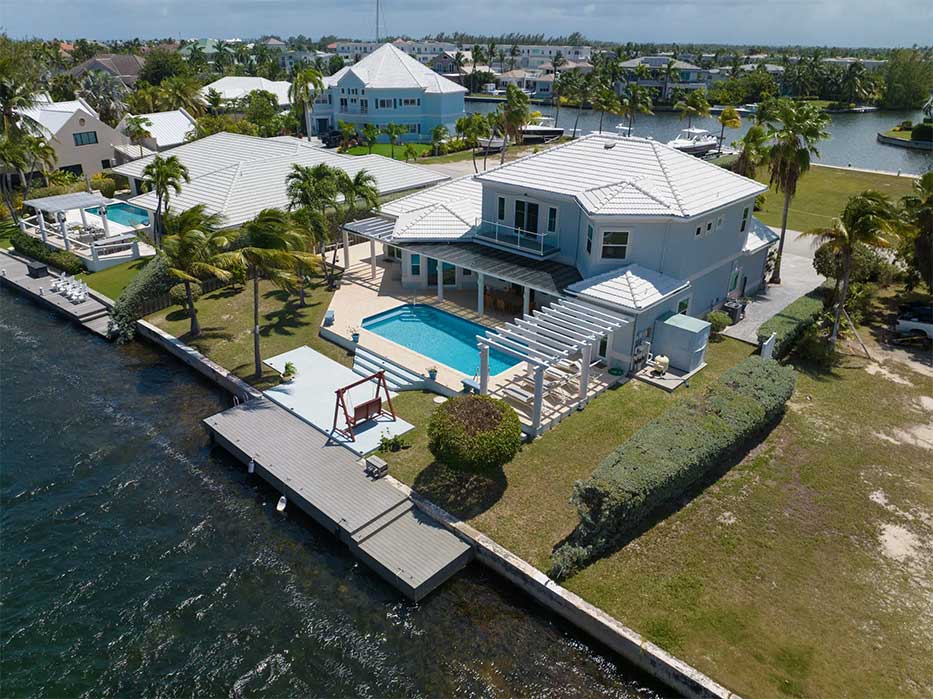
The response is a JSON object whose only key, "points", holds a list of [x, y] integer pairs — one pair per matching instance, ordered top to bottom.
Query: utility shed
{"points": [[682, 339]]}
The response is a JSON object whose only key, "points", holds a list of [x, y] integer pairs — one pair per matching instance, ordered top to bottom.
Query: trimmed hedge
{"points": [[67, 262], [152, 280], [790, 323], [476, 433], [671, 453]]}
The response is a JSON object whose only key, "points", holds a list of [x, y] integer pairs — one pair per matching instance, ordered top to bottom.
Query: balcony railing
{"points": [[517, 238]]}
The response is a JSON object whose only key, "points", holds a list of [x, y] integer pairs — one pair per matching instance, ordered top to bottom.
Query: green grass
{"points": [[902, 135], [386, 150], [822, 193], [7, 227], [112, 281], [226, 322]]}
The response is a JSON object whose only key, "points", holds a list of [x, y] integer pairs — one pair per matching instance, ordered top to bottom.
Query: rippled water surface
{"points": [[136, 561]]}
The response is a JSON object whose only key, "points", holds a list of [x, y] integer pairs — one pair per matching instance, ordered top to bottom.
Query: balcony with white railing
{"points": [[528, 242]]}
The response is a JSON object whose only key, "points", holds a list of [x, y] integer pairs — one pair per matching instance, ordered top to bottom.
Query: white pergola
{"points": [[59, 204], [557, 332]]}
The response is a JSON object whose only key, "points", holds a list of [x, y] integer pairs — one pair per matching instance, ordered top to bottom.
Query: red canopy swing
{"points": [[365, 411]]}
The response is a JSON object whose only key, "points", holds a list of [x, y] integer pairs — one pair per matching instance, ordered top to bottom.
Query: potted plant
{"points": [[354, 334], [290, 372], [432, 373]]}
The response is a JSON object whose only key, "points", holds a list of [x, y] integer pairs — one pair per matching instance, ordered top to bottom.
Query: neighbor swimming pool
{"points": [[127, 214], [442, 336]]}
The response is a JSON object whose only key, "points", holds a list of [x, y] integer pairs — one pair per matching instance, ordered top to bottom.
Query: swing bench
{"points": [[371, 409]]}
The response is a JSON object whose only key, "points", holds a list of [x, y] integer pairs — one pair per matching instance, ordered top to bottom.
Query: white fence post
{"points": [[767, 346]]}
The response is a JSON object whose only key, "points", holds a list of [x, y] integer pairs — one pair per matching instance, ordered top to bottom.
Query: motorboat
{"points": [[541, 129], [694, 141], [492, 145]]}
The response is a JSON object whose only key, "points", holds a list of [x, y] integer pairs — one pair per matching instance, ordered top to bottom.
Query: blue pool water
{"points": [[127, 214], [442, 336]]}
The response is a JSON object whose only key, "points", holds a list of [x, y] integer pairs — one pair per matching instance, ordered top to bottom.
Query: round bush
{"points": [[106, 185], [179, 296], [719, 320], [476, 433]]}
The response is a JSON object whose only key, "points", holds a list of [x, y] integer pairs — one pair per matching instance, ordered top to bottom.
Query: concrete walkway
{"points": [[797, 278]]}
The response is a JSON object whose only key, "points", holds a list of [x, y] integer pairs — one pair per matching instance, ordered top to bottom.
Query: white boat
{"points": [[541, 129], [694, 141], [493, 145]]}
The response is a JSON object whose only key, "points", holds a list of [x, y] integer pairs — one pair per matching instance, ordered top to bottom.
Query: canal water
{"points": [[853, 139], [137, 561]]}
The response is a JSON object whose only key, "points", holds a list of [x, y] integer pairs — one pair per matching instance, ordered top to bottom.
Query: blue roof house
{"points": [[388, 86]]}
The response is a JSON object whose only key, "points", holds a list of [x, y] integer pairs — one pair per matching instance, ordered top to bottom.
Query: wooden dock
{"points": [[92, 314], [379, 523]]}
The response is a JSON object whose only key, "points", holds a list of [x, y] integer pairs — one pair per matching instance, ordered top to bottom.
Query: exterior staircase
{"points": [[397, 377]]}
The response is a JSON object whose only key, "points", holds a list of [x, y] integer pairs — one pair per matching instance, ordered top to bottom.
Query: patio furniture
{"points": [[470, 385], [521, 395], [365, 411]]}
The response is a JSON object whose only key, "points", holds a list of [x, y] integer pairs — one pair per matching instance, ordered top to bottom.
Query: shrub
{"points": [[922, 132], [106, 185], [56, 189], [760, 201], [67, 262], [868, 265], [152, 280], [179, 296], [719, 320], [792, 321], [813, 345], [474, 433], [670, 454]]}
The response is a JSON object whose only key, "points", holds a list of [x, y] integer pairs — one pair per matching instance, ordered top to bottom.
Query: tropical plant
{"points": [[306, 85], [583, 90], [182, 92], [105, 93], [145, 99], [605, 100], [639, 102], [694, 105], [515, 115], [728, 117], [137, 128], [471, 128], [794, 129], [395, 133], [347, 134], [439, 134], [370, 135], [753, 151], [410, 152], [163, 175], [314, 188], [358, 194], [868, 219], [269, 247], [190, 248], [917, 248]]}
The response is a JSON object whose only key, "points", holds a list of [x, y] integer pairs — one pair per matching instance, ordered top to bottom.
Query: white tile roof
{"points": [[391, 68], [237, 86], [52, 116], [167, 128], [237, 176], [618, 176], [446, 212], [759, 235], [633, 288]]}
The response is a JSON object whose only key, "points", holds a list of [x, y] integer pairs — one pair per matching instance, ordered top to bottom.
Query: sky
{"points": [[771, 22]]}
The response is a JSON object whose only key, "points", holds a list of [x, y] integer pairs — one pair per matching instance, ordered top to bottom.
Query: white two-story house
{"points": [[627, 224]]}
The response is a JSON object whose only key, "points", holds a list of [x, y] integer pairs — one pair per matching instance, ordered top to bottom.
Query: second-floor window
{"points": [[343, 102], [411, 102], [385, 104], [85, 138], [500, 208], [526, 215], [552, 219], [744, 220], [589, 240], [615, 245], [416, 265]]}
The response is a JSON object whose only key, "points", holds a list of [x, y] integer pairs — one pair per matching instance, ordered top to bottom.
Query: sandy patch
{"points": [[878, 370], [926, 403], [918, 436], [726, 518], [899, 543]]}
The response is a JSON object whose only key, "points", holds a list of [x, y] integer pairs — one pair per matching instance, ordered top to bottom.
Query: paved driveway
{"points": [[797, 278]]}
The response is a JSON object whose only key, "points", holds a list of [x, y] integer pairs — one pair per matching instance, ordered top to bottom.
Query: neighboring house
{"points": [[273, 43], [208, 47], [529, 55], [289, 59], [125, 66], [582, 67], [772, 69], [687, 77], [534, 82], [389, 86], [234, 87], [167, 129], [83, 143], [237, 176], [628, 224]]}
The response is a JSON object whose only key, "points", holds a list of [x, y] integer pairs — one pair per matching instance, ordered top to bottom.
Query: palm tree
{"points": [[514, 53], [478, 56], [459, 60], [671, 75], [855, 82], [306, 85], [584, 91], [183, 92], [105, 93], [145, 99], [605, 100], [639, 103], [695, 105], [514, 116], [728, 117], [137, 128], [471, 128], [794, 130], [395, 133], [347, 134], [370, 135], [438, 135], [753, 151], [409, 152], [38, 155], [163, 176], [314, 188], [359, 194], [918, 217], [868, 219], [311, 229], [268, 247], [190, 250]]}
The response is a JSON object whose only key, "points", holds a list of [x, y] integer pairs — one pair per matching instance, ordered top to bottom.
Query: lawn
{"points": [[902, 135], [386, 150], [822, 194], [6, 230], [112, 281], [226, 322]]}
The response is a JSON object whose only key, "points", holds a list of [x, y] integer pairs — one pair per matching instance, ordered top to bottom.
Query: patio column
{"points": [[41, 217], [83, 217], [103, 219], [63, 228], [346, 250], [372, 259], [440, 281], [480, 292], [526, 301], [587, 352], [484, 369], [539, 399]]}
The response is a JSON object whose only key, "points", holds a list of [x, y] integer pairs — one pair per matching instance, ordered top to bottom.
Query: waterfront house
{"points": [[685, 76], [235, 87], [389, 87], [166, 130]]}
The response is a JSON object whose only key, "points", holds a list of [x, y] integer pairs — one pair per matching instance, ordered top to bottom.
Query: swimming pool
{"points": [[127, 214], [442, 336]]}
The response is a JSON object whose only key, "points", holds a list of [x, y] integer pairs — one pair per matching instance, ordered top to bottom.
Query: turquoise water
{"points": [[127, 214], [442, 336]]}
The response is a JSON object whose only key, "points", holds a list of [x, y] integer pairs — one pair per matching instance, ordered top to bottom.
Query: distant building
{"points": [[273, 43], [208, 47], [289, 59], [125, 66], [685, 76], [533, 82], [388, 86], [234, 87]]}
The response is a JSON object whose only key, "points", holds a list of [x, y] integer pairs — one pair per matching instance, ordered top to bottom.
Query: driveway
{"points": [[797, 278]]}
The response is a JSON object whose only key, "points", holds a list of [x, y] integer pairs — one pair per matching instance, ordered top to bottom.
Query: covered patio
{"points": [[65, 222]]}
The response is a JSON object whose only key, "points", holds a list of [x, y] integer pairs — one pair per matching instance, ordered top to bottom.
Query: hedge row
{"points": [[67, 262], [152, 280], [791, 322], [671, 453]]}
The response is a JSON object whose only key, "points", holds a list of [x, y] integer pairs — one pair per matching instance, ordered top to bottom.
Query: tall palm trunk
{"points": [[601, 115], [575, 121], [722, 137], [505, 145], [473, 149], [776, 275], [840, 302], [192, 311], [257, 362]]}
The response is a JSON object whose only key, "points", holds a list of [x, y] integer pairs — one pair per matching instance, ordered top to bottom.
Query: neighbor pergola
{"points": [[59, 204], [549, 335]]}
